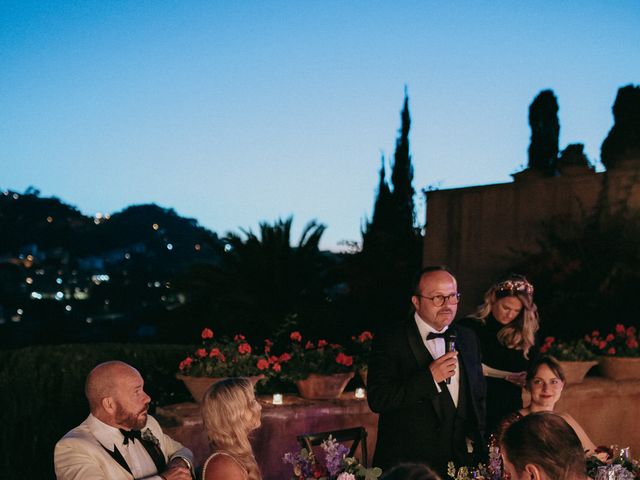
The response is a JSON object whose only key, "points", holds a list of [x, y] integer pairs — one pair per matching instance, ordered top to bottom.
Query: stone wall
{"points": [[479, 231]]}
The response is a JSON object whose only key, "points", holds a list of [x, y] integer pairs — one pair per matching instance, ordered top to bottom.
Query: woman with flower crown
{"points": [[506, 325], [230, 412]]}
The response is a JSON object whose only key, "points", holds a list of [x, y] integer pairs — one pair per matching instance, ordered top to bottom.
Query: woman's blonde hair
{"points": [[519, 334], [229, 411]]}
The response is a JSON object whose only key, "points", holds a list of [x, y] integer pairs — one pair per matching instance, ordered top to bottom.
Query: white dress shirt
{"points": [[436, 347]]}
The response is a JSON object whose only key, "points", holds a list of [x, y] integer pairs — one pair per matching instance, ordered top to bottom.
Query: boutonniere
{"points": [[148, 436]]}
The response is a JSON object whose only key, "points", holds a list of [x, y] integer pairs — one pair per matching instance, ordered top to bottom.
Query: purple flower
{"points": [[334, 453]]}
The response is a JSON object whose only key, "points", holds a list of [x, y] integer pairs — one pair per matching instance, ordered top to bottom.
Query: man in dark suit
{"points": [[431, 402]]}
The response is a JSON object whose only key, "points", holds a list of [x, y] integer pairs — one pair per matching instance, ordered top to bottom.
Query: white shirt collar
{"points": [[424, 328], [106, 434]]}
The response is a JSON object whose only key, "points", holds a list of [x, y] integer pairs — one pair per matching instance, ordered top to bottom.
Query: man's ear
{"points": [[414, 301], [108, 404], [532, 472]]}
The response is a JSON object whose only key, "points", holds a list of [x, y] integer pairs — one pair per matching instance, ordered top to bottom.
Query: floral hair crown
{"points": [[513, 287]]}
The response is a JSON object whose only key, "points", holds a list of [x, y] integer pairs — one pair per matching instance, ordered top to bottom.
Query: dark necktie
{"points": [[434, 335], [130, 435]]}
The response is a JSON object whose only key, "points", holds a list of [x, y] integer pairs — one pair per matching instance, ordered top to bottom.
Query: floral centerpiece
{"points": [[218, 358], [336, 465], [605, 465]]}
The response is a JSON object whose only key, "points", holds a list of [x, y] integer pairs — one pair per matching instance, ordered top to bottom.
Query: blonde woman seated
{"points": [[545, 381], [230, 412]]}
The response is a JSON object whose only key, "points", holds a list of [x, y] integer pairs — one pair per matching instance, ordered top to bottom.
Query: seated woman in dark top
{"points": [[506, 325], [545, 381]]}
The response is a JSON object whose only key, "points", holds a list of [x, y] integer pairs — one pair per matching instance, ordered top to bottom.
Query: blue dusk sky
{"points": [[236, 112]]}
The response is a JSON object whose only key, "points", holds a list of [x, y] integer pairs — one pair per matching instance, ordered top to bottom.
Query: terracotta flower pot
{"points": [[620, 368], [574, 371], [197, 386], [323, 387]]}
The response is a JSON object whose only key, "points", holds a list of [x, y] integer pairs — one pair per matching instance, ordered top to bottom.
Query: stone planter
{"points": [[620, 368], [575, 372], [197, 386], [323, 387]]}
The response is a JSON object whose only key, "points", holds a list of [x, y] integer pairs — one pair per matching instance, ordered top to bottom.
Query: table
{"points": [[608, 410], [280, 426]]}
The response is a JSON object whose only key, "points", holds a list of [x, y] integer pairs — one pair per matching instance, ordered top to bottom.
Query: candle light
{"points": [[359, 392], [277, 399]]}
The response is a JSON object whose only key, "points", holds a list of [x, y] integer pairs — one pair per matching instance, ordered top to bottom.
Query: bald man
{"points": [[119, 440]]}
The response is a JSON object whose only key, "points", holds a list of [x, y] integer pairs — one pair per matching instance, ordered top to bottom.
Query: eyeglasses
{"points": [[438, 300]]}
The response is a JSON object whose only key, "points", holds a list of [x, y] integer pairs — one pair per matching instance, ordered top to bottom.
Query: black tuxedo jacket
{"points": [[401, 389]]}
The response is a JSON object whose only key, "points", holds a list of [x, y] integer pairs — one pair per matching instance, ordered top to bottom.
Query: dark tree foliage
{"points": [[545, 130], [623, 140], [574, 154], [402, 175], [391, 253], [586, 273], [263, 280]]}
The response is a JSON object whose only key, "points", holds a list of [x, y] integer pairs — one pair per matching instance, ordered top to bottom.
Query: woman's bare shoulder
{"points": [[222, 466]]}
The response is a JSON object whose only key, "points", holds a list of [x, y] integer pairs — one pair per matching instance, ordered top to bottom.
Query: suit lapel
{"points": [[423, 358], [155, 453], [117, 456]]}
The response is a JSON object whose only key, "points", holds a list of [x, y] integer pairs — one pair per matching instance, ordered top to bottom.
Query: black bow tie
{"points": [[434, 335], [130, 435]]}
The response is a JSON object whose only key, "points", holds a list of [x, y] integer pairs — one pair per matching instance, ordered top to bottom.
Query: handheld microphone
{"points": [[450, 346]]}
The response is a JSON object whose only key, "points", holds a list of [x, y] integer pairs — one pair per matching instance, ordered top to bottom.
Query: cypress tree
{"points": [[545, 130], [623, 140]]}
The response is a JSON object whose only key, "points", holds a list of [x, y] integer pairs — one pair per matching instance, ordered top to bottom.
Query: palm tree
{"points": [[263, 279]]}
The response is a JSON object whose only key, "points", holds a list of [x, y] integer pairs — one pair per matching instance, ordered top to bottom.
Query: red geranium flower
{"points": [[206, 333], [295, 336], [244, 348], [611, 351], [201, 353], [263, 364]]}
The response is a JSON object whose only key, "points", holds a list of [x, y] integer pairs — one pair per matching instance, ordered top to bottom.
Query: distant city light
{"points": [[16, 196], [49, 219], [155, 226], [169, 246], [197, 247], [228, 248], [127, 256], [30, 258], [40, 271], [98, 279], [29, 281], [59, 281], [156, 284], [36, 295], [80, 295], [59, 296], [67, 308], [19, 311], [89, 320]]}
